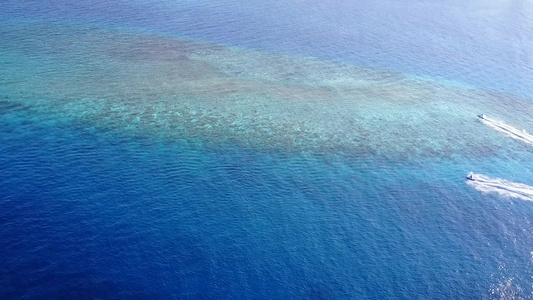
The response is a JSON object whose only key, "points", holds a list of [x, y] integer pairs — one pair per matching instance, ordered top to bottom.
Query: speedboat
{"points": [[481, 116], [470, 176]]}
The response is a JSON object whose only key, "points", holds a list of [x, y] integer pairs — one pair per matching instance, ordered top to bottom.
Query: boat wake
{"points": [[515, 133], [502, 187]]}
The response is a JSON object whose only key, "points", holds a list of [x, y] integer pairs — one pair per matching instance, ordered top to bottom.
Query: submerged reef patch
{"points": [[152, 85]]}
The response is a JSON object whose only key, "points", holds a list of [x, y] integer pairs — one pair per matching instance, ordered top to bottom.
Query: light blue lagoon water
{"points": [[265, 150]]}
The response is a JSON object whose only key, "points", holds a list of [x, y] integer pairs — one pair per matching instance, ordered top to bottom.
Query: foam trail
{"points": [[515, 133], [504, 188]]}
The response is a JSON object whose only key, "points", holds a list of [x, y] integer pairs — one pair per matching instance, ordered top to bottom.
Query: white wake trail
{"points": [[509, 130], [502, 187]]}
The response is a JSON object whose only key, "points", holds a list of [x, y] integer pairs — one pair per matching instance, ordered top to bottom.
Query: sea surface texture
{"points": [[266, 149]]}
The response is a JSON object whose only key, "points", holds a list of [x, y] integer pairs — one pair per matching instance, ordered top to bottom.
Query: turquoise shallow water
{"points": [[188, 90], [138, 164]]}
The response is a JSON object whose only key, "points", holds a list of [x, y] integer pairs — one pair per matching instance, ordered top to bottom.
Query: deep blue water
{"points": [[90, 210], [99, 215]]}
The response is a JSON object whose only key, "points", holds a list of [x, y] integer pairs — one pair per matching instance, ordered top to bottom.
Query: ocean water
{"points": [[265, 150]]}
